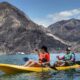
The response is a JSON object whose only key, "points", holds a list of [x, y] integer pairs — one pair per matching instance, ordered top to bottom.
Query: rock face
{"points": [[68, 30], [19, 33]]}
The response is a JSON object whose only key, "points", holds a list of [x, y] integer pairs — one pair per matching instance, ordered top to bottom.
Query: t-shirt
{"points": [[70, 56]]}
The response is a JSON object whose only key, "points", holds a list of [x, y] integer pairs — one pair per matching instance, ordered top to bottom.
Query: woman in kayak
{"points": [[44, 58], [67, 59]]}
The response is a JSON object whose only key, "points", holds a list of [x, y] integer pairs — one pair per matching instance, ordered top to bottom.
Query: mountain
{"points": [[68, 31], [18, 33]]}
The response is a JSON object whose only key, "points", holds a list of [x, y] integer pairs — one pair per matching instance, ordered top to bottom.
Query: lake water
{"points": [[18, 59]]}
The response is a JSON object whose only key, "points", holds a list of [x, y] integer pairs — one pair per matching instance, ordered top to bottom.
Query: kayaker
{"points": [[44, 58], [67, 59]]}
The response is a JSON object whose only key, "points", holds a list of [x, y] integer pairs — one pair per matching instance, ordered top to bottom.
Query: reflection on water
{"points": [[51, 75], [42, 76]]}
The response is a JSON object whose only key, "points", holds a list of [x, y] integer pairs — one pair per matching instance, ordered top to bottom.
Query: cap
{"points": [[68, 49]]}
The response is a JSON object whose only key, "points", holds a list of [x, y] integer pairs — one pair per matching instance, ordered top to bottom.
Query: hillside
{"points": [[68, 30], [19, 33]]}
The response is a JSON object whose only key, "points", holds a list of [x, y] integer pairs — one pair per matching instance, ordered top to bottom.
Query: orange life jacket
{"points": [[44, 57]]}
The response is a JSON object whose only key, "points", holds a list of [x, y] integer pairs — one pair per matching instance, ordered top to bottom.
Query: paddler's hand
{"points": [[37, 50], [67, 61], [43, 64]]}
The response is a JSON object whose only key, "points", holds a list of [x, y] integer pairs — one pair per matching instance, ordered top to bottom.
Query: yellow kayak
{"points": [[10, 69]]}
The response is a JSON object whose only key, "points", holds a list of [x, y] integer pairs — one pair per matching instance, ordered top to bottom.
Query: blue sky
{"points": [[46, 12]]}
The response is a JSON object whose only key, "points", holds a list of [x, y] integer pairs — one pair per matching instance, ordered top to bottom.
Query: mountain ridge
{"points": [[68, 30], [19, 33]]}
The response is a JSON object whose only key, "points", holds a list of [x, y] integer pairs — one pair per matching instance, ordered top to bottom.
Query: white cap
{"points": [[68, 49]]}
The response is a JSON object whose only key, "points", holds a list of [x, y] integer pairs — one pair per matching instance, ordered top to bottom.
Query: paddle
{"points": [[34, 51], [26, 59], [53, 67]]}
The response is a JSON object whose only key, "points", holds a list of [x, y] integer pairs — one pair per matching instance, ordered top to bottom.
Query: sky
{"points": [[47, 12]]}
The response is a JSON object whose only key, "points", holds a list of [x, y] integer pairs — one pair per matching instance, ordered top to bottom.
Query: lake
{"points": [[18, 59]]}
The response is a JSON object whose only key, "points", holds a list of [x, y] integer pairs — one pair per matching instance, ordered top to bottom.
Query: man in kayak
{"points": [[44, 58], [67, 59]]}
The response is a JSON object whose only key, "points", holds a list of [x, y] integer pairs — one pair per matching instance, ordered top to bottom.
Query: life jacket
{"points": [[44, 57], [69, 57]]}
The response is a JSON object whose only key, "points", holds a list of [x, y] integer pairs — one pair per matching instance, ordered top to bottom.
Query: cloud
{"points": [[63, 15]]}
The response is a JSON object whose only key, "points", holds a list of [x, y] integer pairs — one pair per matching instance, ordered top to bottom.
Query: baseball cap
{"points": [[68, 49]]}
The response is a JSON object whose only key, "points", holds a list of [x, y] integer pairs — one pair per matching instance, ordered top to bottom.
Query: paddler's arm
{"points": [[37, 51], [60, 58], [72, 58]]}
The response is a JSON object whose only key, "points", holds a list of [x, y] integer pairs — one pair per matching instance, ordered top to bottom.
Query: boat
{"points": [[11, 69]]}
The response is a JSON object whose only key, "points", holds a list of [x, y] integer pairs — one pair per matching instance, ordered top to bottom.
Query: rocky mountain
{"points": [[67, 30], [18, 33]]}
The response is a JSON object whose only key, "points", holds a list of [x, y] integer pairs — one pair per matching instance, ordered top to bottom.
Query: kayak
{"points": [[11, 69]]}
